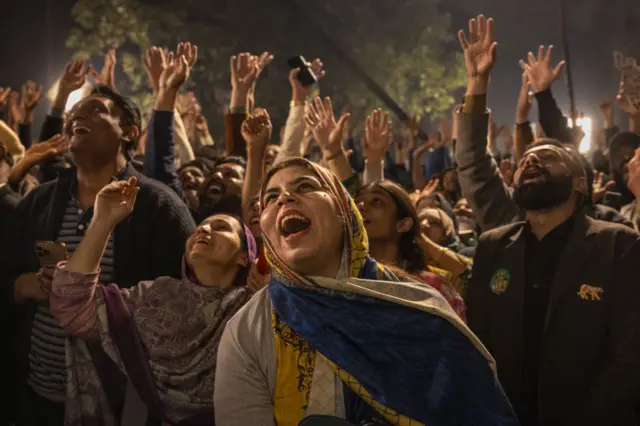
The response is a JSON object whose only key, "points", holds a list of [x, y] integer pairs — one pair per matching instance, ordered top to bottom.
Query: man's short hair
{"points": [[130, 112], [231, 159], [202, 164]]}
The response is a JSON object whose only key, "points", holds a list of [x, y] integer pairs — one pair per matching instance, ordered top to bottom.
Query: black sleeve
{"points": [[552, 120], [24, 133], [159, 153], [49, 168], [17, 247]]}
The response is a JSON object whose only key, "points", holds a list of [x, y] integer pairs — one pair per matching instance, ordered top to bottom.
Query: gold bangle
{"points": [[296, 103]]}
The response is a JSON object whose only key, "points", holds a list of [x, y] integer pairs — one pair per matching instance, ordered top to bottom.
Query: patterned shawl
{"points": [[399, 347]]}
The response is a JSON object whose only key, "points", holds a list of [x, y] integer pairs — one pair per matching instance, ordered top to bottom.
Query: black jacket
{"points": [[148, 244], [590, 357]]}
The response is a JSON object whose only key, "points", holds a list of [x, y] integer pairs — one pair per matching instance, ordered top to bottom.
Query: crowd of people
{"points": [[152, 276]]}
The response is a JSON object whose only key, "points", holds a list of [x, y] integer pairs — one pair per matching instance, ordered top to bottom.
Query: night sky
{"points": [[596, 28]]}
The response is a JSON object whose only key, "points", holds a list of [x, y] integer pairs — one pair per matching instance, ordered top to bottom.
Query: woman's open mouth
{"points": [[294, 225]]}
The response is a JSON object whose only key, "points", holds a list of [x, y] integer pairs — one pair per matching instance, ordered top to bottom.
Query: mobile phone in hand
{"points": [[306, 76], [51, 252]]}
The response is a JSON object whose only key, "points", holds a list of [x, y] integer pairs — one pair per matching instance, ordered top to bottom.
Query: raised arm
{"points": [[245, 70], [541, 75], [29, 100], [631, 109], [295, 126], [256, 132], [523, 132], [328, 133], [377, 139], [35, 155], [159, 155], [480, 180], [73, 291]]}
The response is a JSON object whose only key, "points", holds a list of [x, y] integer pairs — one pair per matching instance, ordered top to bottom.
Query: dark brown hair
{"points": [[411, 254]]}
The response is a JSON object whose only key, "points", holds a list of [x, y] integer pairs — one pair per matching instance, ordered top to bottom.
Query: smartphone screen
{"points": [[306, 76]]}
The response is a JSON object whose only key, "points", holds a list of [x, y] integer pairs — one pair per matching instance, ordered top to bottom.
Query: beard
{"points": [[554, 191], [230, 204]]}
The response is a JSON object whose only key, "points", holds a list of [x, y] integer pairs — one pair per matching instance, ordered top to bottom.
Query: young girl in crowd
{"points": [[395, 238], [335, 333], [164, 334]]}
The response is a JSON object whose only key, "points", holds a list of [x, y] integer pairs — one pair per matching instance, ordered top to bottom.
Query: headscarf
{"points": [[356, 243], [432, 370]]}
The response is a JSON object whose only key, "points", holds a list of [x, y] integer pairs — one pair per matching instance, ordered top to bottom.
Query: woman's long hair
{"points": [[410, 252]]}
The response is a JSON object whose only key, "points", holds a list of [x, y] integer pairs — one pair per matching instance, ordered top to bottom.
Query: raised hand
{"points": [[480, 50], [189, 51], [263, 60], [155, 63], [539, 71], [244, 72], [175, 74], [106, 76], [74, 77], [31, 93], [300, 93], [4, 95], [29, 100], [525, 101], [625, 104], [256, 131], [327, 132], [377, 135], [39, 152], [430, 188], [600, 188], [115, 202]]}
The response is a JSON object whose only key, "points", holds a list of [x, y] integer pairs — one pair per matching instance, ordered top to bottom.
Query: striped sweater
{"points": [[47, 371]]}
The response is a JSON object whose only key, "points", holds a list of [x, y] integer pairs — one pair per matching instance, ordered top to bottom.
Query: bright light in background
{"points": [[74, 98], [585, 123]]}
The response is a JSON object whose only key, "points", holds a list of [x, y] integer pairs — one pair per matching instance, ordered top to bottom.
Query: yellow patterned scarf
{"points": [[296, 359]]}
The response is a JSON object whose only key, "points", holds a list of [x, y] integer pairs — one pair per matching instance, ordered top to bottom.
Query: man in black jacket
{"points": [[149, 244], [554, 298]]}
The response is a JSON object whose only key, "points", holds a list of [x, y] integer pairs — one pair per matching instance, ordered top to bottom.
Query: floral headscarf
{"points": [[355, 255]]}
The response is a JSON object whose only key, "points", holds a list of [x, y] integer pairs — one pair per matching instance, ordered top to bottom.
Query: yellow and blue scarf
{"points": [[413, 367]]}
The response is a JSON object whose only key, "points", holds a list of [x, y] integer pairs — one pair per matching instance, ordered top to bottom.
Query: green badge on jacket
{"points": [[500, 281]]}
